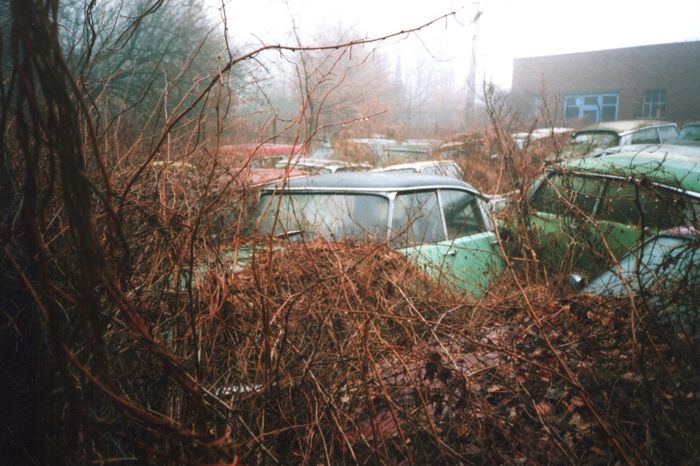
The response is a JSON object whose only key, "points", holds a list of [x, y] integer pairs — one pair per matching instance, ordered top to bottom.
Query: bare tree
{"points": [[144, 58], [98, 303]]}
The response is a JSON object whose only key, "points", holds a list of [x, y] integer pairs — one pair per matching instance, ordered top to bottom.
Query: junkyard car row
{"points": [[588, 210], [624, 217]]}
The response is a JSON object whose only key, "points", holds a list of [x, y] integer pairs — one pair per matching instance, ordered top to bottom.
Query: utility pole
{"points": [[471, 78]]}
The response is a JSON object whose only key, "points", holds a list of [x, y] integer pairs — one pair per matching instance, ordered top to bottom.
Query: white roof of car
{"points": [[624, 126], [541, 133], [415, 165], [369, 182]]}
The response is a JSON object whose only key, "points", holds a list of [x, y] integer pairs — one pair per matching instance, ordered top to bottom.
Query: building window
{"points": [[654, 103], [592, 107], [571, 108]]}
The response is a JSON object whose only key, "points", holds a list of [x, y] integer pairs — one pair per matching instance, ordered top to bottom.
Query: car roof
{"points": [[623, 126], [540, 133], [674, 148], [417, 165], [671, 169], [370, 181]]}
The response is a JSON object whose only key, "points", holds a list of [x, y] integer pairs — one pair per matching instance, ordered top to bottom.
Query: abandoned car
{"points": [[592, 140], [588, 211], [440, 223]]}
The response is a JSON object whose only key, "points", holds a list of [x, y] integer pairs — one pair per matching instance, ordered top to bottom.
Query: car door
{"points": [[562, 209], [619, 218], [585, 222], [463, 251]]}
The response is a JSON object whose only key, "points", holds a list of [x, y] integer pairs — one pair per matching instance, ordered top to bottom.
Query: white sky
{"points": [[507, 29]]}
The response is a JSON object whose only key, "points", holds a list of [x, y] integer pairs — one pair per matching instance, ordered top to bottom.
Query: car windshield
{"points": [[597, 138], [328, 215], [659, 265]]}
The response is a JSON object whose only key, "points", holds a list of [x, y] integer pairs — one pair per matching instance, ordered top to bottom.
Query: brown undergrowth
{"points": [[345, 353]]}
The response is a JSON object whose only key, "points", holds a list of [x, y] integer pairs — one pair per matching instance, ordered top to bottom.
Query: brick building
{"points": [[617, 84]]}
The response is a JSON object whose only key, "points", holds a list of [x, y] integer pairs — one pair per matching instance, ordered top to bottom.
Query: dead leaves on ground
{"points": [[364, 359]]}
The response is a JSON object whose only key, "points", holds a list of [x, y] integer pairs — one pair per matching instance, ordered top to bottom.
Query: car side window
{"points": [[666, 133], [645, 136], [558, 193], [623, 202], [633, 204], [462, 214], [416, 219]]}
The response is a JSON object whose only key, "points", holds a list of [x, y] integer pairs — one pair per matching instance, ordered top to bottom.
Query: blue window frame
{"points": [[593, 107]]}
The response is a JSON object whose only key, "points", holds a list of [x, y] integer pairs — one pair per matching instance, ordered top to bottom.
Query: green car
{"points": [[590, 212], [438, 222]]}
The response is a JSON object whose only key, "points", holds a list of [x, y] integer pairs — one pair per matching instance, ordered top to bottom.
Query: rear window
{"points": [[329, 215]]}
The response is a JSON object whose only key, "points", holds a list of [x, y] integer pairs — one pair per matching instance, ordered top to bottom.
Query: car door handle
{"points": [[451, 252]]}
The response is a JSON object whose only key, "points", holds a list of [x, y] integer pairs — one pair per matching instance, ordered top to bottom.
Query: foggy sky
{"points": [[507, 29]]}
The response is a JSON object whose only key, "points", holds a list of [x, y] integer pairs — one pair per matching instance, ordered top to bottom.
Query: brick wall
{"points": [[627, 71]]}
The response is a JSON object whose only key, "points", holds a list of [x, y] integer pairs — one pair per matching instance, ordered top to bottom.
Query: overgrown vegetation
{"points": [[335, 353]]}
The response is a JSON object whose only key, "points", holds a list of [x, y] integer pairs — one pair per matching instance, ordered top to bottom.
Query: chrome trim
{"points": [[338, 189], [442, 215], [390, 217]]}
